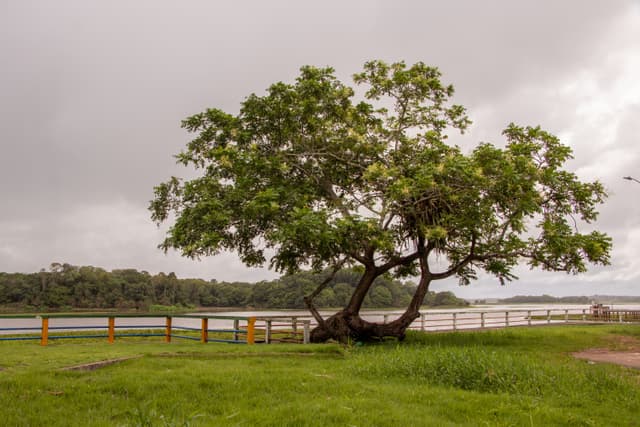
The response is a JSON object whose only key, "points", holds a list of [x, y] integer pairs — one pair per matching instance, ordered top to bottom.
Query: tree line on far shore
{"points": [[65, 286], [530, 299], [548, 299]]}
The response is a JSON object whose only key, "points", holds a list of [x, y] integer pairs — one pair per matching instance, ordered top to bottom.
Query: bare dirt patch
{"points": [[623, 350], [99, 364]]}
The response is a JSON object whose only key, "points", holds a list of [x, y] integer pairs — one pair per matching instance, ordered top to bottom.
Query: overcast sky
{"points": [[92, 94]]}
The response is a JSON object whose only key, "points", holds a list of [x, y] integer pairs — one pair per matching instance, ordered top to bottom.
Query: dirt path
{"points": [[624, 351]]}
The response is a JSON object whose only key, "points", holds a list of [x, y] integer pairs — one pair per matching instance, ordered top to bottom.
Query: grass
{"points": [[508, 377]]}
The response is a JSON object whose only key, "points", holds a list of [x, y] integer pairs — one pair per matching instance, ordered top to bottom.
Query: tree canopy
{"points": [[309, 174]]}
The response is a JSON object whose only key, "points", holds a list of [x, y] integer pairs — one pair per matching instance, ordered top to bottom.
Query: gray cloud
{"points": [[93, 94]]}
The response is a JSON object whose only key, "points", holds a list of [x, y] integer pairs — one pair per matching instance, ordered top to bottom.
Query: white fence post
{"points": [[422, 316], [548, 316], [566, 316], [529, 317], [506, 319], [482, 320], [455, 321], [294, 325], [267, 332], [306, 334]]}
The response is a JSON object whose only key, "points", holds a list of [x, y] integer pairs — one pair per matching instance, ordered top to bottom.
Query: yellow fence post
{"points": [[112, 328], [251, 330], [167, 334], [44, 336], [204, 337]]}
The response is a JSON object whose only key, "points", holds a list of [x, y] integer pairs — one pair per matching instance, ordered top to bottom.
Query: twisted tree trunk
{"points": [[347, 325]]}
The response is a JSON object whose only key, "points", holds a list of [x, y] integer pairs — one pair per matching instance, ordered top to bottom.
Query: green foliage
{"points": [[311, 176], [94, 288], [445, 298]]}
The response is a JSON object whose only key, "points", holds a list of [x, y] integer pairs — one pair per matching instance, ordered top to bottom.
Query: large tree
{"points": [[307, 176]]}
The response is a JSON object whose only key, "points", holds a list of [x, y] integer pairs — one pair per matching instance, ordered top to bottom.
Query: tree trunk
{"points": [[347, 325]]}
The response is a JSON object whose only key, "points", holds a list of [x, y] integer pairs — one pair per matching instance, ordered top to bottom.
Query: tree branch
{"points": [[328, 187], [386, 224], [358, 258], [396, 261], [453, 270], [308, 300]]}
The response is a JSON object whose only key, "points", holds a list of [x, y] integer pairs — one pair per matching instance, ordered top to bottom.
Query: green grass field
{"points": [[515, 377]]}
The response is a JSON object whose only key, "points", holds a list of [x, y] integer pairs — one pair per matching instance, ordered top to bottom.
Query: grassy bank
{"points": [[502, 377]]}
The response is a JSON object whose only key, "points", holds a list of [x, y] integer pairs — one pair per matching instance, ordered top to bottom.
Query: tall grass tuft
{"points": [[468, 368], [487, 370]]}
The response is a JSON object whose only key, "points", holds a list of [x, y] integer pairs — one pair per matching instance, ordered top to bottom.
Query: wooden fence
{"points": [[228, 329], [272, 329]]}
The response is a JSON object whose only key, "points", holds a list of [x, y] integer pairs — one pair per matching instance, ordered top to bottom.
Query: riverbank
{"points": [[500, 377]]}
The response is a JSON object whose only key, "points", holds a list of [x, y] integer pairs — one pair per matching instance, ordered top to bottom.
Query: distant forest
{"points": [[65, 287], [548, 299]]}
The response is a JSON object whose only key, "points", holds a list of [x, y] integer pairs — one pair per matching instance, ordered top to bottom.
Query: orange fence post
{"points": [[112, 328], [251, 330], [167, 335], [44, 336], [204, 336]]}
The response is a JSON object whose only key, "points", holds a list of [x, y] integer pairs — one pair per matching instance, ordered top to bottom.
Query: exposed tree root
{"points": [[345, 327]]}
